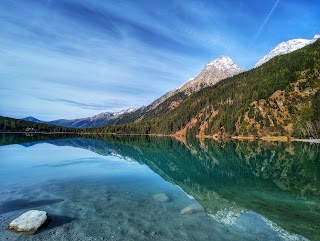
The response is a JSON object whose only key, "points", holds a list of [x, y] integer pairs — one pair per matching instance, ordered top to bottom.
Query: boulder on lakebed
{"points": [[161, 197], [193, 208], [29, 222]]}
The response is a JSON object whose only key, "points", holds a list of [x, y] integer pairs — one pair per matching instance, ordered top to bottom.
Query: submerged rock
{"points": [[161, 197], [193, 208], [29, 222]]}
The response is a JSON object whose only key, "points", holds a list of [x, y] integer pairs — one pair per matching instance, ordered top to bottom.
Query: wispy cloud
{"points": [[265, 21], [91, 106]]}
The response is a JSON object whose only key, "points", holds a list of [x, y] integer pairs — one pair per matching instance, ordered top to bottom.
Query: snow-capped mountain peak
{"points": [[316, 37], [285, 48], [222, 63], [213, 72], [131, 109], [110, 115]]}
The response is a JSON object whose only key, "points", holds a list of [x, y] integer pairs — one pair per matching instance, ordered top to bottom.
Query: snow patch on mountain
{"points": [[129, 110], [109, 115]]}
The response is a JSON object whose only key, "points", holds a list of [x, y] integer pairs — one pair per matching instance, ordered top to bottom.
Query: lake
{"points": [[112, 188]]}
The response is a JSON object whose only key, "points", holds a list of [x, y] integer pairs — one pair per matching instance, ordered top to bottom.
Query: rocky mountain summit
{"points": [[285, 48], [218, 69], [213, 72]]}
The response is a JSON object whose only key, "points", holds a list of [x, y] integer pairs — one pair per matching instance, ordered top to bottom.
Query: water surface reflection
{"points": [[233, 181]]}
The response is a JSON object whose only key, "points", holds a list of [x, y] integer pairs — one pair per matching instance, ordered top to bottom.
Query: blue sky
{"points": [[76, 58]]}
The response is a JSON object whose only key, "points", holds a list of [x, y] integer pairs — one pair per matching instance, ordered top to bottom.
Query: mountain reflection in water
{"points": [[280, 181]]}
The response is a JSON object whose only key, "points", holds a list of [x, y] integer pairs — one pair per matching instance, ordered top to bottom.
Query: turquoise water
{"points": [[103, 188]]}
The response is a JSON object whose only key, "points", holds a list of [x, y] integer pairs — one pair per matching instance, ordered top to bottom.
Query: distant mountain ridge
{"points": [[285, 48], [32, 119], [98, 120]]}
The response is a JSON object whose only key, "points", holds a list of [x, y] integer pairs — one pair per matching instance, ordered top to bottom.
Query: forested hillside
{"points": [[280, 97], [17, 125]]}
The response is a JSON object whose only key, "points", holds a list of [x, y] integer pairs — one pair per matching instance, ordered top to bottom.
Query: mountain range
{"points": [[215, 71], [212, 73], [278, 96], [99, 120]]}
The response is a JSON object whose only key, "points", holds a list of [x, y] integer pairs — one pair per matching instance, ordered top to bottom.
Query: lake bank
{"points": [[181, 138]]}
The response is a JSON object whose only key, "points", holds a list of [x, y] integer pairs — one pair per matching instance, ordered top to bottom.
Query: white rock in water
{"points": [[161, 197], [194, 208], [29, 222]]}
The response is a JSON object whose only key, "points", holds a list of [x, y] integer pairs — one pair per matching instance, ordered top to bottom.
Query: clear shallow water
{"points": [[97, 189]]}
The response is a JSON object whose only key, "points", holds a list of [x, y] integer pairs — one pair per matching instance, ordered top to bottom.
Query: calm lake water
{"points": [[103, 188]]}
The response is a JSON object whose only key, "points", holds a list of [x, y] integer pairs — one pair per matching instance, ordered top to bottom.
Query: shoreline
{"points": [[38, 132], [178, 137], [264, 138], [275, 138], [308, 140]]}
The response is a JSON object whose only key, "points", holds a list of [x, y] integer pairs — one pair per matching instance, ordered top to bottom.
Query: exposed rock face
{"points": [[285, 48], [163, 98], [161, 197], [193, 208], [29, 222]]}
